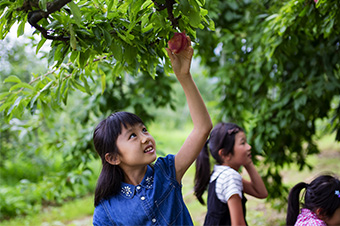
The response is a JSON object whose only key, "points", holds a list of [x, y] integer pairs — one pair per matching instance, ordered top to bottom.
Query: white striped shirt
{"points": [[228, 183]]}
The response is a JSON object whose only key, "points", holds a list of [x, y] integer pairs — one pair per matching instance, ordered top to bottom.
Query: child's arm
{"points": [[202, 123], [255, 186], [236, 210]]}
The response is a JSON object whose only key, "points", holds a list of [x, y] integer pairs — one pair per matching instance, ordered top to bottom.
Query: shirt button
{"points": [[138, 187], [142, 198], [154, 220]]}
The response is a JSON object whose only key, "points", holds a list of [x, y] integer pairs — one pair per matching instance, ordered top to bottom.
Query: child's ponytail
{"points": [[202, 174], [320, 195], [294, 203]]}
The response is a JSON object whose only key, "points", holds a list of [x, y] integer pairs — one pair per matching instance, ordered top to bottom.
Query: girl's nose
{"points": [[144, 139]]}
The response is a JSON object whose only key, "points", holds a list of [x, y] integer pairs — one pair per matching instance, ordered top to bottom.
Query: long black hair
{"points": [[221, 137], [104, 138], [319, 194]]}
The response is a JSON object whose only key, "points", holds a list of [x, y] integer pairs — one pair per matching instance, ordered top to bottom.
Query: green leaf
{"points": [[202, 2], [194, 3], [43, 5], [109, 6], [75, 12], [303, 12], [194, 18], [21, 28], [107, 37], [73, 40], [40, 44], [117, 51], [130, 54], [83, 57], [12, 78], [103, 80], [21, 85], [77, 85], [46, 87], [87, 87], [4, 94], [34, 99], [33, 102], [16, 103], [5, 106], [45, 108]]}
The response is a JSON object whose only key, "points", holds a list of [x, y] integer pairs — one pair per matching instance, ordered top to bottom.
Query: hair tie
{"points": [[233, 130], [337, 193]]}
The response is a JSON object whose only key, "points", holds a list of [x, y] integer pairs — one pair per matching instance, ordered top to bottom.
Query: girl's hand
{"points": [[181, 61], [249, 163]]}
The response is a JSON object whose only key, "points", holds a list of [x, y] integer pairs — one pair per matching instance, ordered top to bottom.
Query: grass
{"points": [[259, 212], [58, 216]]}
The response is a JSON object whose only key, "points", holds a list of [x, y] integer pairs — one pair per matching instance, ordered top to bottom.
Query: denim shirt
{"points": [[157, 200]]}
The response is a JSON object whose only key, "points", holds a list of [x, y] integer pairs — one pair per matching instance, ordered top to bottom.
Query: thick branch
{"points": [[169, 6], [35, 16]]}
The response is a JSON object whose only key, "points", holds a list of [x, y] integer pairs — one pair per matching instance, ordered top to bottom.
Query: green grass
{"points": [[259, 212], [53, 216]]}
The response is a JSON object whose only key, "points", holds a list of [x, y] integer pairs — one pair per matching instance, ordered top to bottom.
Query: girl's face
{"points": [[136, 147], [242, 151], [335, 219]]}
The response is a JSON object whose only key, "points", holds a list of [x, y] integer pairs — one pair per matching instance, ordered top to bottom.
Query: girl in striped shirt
{"points": [[226, 201]]}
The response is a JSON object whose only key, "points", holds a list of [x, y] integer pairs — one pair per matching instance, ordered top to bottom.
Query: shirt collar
{"points": [[217, 171], [129, 190], [307, 215]]}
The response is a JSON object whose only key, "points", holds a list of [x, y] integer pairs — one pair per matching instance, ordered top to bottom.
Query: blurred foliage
{"points": [[272, 67], [278, 69]]}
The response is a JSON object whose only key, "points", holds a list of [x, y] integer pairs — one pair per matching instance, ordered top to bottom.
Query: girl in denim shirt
{"points": [[129, 190]]}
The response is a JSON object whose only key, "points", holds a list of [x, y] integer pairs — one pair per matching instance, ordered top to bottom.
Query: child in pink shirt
{"points": [[321, 205]]}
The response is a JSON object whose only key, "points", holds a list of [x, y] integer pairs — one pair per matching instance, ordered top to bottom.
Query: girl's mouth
{"points": [[149, 149]]}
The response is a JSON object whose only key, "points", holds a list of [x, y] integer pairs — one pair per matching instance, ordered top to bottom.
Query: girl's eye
{"points": [[144, 130], [132, 135]]}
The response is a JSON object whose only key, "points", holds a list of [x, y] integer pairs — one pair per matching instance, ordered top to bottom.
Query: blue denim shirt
{"points": [[157, 200]]}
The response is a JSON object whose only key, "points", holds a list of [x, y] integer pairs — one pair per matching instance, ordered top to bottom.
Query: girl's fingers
{"points": [[188, 40], [170, 54]]}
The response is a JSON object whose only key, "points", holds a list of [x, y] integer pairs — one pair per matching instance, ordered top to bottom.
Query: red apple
{"points": [[178, 42]]}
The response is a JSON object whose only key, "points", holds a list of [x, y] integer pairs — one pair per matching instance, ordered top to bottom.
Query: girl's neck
{"points": [[233, 166], [134, 176]]}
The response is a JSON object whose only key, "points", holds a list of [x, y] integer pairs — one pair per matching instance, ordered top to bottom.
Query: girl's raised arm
{"points": [[199, 114], [255, 186]]}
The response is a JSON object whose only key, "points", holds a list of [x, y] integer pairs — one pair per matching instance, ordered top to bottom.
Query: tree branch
{"points": [[35, 16]]}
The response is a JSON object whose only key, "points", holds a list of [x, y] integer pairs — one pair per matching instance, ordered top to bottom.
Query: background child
{"points": [[129, 190], [226, 202], [321, 205]]}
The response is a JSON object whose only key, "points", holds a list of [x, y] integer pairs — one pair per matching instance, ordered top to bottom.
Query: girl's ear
{"points": [[224, 157], [113, 159], [319, 213]]}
